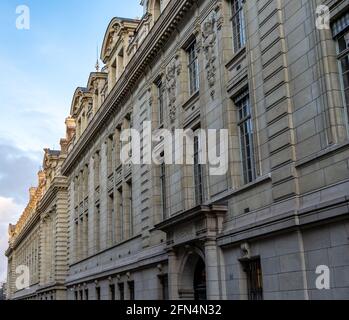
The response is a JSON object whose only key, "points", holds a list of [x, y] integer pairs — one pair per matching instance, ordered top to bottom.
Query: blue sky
{"points": [[40, 69]]}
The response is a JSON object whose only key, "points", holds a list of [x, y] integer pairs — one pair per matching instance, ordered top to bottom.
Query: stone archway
{"points": [[192, 277]]}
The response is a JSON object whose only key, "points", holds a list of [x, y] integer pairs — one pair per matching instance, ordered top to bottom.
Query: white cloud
{"points": [[31, 114], [9, 213]]}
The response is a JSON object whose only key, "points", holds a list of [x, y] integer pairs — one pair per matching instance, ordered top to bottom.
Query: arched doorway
{"points": [[192, 281], [200, 281]]}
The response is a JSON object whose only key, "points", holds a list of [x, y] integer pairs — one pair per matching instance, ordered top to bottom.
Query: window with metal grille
{"points": [[238, 21], [193, 67], [160, 87], [242, 103], [198, 172], [253, 271]]}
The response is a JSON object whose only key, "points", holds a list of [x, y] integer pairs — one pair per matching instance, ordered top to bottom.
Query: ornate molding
{"points": [[209, 45], [150, 46], [173, 70]]}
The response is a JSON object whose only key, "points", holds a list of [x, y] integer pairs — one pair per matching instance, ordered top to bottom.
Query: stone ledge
{"points": [[322, 154]]}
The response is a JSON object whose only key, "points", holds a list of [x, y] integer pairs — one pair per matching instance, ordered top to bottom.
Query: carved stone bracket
{"points": [[219, 13]]}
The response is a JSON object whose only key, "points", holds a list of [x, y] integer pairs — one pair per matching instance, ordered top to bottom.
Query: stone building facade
{"points": [[260, 69], [276, 78], [37, 253]]}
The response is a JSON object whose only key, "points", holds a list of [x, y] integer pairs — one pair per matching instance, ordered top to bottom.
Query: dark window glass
{"points": [[238, 21], [343, 44], [193, 67], [161, 102], [246, 137], [198, 172], [163, 190], [164, 287], [131, 288], [112, 291], [121, 291], [98, 293], [86, 294]]}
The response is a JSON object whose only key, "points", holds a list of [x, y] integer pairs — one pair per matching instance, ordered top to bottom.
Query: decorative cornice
{"points": [[154, 41], [58, 184], [191, 214]]}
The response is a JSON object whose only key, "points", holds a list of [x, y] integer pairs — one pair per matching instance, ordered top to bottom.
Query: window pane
{"points": [[238, 21], [343, 42], [193, 67], [345, 70], [161, 102], [246, 137], [198, 172], [163, 190]]}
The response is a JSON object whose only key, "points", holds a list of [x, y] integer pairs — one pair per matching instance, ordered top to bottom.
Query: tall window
{"points": [[238, 20], [343, 45], [193, 67], [160, 88], [242, 103], [110, 150], [96, 169], [198, 172], [163, 194], [130, 208], [121, 214], [111, 226], [97, 227], [253, 271], [164, 287], [131, 288], [121, 291], [112, 292], [98, 293], [86, 294]]}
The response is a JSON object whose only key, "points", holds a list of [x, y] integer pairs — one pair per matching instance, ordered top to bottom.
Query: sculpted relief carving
{"points": [[209, 41], [173, 70]]}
